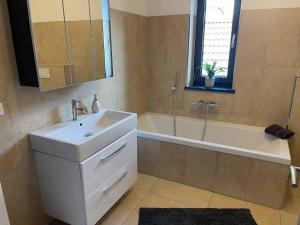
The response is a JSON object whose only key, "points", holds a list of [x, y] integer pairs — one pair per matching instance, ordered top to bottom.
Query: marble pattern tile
{"points": [[273, 32], [149, 160], [201, 167], [232, 175], [244, 178], [266, 183], [182, 193], [173, 195]]}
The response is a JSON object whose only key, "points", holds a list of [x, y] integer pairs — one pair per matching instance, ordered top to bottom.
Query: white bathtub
{"points": [[235, 139]]}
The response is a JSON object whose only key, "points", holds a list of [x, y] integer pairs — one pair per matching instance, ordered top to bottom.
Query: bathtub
{"points": [[235, 139], [233, 159]]}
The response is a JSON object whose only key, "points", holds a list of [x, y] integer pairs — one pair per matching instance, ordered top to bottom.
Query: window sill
{"points": [[214, 89]]}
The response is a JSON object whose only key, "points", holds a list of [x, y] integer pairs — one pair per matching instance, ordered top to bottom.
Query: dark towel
{"points": [[280, 132], [196, 217]]}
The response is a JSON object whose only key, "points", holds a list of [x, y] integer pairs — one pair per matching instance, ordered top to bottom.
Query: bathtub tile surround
{"points": [[268, 58], [258, 70], [234, 160], [232, 175], [243, 178], [269, 187]]}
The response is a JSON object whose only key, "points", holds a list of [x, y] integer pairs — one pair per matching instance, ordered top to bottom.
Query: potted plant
{"points": [[211, 70]]}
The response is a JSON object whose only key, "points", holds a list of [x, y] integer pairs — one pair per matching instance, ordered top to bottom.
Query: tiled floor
{"points": [[154, 192]]}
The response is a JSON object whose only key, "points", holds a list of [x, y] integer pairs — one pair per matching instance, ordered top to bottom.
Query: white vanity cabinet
{"points": [[80, 193]]}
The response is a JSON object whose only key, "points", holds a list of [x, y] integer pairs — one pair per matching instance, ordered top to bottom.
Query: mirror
{"points": [[71, 40]]}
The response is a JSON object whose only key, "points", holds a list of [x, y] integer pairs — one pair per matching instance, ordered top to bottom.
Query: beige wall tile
{"points": [[176, 39], [156, 40], [282, 79], [245, 100], [149, 160], [9, 162], [173, 162], [200, 167], [232, 175], [267, 183], [16, 199]]}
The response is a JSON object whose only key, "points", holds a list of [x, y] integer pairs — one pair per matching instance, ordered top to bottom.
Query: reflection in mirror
{"points": [[77, 16], [97, 36], [107, 38], [72, 41], [50, 43]]}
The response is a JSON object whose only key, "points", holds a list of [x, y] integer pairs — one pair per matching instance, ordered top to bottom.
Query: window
{"points": [[217, 23]]}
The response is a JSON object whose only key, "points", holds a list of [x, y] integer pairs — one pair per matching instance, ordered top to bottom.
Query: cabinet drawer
{"points": [[101, 166], [110, 192]]}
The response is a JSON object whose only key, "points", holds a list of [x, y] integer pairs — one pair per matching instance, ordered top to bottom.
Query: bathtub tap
{"points": [[204, 104], [207, 105], [294, 175]]}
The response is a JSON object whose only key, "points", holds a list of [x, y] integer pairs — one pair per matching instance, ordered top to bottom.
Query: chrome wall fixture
{"points": [[293, 169]]}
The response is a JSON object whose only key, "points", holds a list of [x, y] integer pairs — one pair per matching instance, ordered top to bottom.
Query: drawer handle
{"points": [[113, 154], [114, 184]]}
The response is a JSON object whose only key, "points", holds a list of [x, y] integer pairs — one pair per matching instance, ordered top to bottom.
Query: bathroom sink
{"points": [[77, 140]]}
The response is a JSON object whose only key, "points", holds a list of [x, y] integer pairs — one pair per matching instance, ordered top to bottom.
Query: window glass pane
{"points": [[217, 36]]}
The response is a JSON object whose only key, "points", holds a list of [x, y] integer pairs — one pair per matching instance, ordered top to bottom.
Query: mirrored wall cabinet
{"points": [[61, 43]]}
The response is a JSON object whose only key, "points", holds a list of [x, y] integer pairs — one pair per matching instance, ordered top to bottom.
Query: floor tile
{"points": [[145, 182], [152, 192], [183, 193], [133, 197], [155, 201], [180, 204], [263, 215], [116, 216], [288, 218], [133, 219]]}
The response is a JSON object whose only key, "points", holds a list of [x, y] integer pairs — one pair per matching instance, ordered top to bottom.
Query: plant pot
{"points": [[209, 83]]}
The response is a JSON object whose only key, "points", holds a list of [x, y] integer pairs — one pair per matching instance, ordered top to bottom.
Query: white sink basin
{"points": [[77, 140]]}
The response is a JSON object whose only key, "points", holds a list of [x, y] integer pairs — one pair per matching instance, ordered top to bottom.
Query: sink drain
{"points": [[88, 134]]}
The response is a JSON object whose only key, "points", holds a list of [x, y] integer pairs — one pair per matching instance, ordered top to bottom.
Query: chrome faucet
{"points": [[207, 105], [75, 109]]}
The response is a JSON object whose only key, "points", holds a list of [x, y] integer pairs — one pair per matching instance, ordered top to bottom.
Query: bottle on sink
{"points": [[96, 105]]}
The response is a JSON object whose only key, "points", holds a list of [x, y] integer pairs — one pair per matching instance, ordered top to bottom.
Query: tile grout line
{"points": [[147, 193], [210, 200], [131, 211]]}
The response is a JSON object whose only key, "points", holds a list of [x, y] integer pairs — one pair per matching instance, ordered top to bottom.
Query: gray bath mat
{"points": [[195, 217]]}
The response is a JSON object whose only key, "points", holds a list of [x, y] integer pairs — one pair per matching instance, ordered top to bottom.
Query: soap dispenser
{"points": [[95, 105]]}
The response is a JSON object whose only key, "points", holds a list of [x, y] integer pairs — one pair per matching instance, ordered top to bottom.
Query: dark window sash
{"points": [[199, 42]]}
